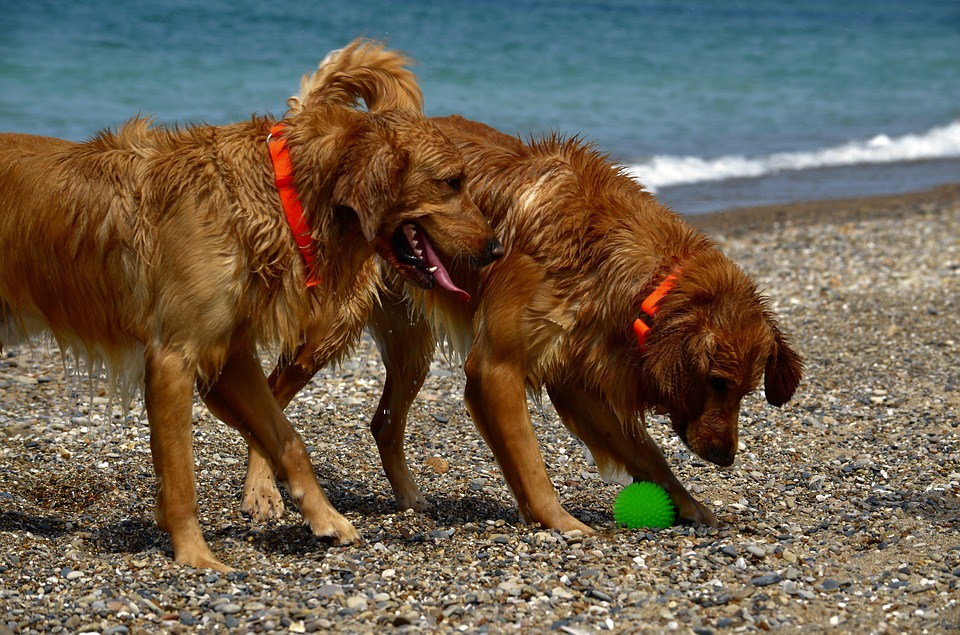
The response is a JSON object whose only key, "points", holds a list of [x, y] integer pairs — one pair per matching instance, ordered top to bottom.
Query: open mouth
{"points": [[419, 262]]}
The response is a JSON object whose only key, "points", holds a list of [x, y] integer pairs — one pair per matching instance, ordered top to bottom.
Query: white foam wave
{"points": [[942, 142]]}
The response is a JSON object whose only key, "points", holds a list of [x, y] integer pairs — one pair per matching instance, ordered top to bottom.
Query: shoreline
{"points": [[868, 180], [740, 220]]}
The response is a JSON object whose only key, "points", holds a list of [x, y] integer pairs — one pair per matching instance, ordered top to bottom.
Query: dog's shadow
{"points": [[938, 506], [445, 513], [51, 528], [141, 535], [128, 536], [289, 536]]}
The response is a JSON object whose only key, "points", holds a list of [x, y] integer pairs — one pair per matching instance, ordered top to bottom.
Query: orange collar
{"points": [[283, 174], [644, 323]]}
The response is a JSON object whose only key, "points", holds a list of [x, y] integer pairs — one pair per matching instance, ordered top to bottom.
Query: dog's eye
{"points": [[454, 184], [719, 384]]}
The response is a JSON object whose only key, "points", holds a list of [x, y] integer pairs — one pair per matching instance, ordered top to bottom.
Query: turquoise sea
{"points": [[713, 104]]}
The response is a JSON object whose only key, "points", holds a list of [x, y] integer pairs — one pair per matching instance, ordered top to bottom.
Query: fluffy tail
{"points": [[364, 69]]}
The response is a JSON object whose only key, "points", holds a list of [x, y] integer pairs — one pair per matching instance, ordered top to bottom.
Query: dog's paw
{"points": [[416, 502], [262, 503], [693, 511], [562, 522], [336, 530], [199, 557], [213, 564]]}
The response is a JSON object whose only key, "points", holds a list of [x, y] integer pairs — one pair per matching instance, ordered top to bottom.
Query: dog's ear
{"points": [[380, 173], [701, 347], [678, 359], [697, 359], [783, 371]]}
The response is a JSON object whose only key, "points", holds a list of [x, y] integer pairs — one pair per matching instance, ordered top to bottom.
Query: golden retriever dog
{"points": [[168, 255], [605, 298]]}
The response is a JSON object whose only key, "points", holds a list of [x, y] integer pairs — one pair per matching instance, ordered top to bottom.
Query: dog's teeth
{"points": [[413, 239], [432, 269]]}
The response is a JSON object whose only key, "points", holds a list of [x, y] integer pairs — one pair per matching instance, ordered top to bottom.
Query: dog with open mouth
{"points": [[167, 256], [605, 298]]}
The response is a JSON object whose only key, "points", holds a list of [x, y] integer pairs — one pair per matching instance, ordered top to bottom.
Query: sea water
{"points": [[712, 104]]}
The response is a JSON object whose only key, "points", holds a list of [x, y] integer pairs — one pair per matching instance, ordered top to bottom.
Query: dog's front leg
{"points": [[168, 396], [241, 397], [497, 400], [617, 445], [647, 463], [261, 498]]}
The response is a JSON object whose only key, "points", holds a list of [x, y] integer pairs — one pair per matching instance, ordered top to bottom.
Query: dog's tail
{"points": [[364, 69]]}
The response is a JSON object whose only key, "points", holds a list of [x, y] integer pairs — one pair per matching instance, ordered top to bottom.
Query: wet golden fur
{"points": [[585, 244], [164, 254]]}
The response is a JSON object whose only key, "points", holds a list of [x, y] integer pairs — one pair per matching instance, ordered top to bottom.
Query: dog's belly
{"points": [[117, 355]]}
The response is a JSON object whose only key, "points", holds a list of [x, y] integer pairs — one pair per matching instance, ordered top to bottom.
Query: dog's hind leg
{"points": [[406, 345], [168, 396], [241, 397]]}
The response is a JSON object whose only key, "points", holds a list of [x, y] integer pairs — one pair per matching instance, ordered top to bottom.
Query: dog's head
{"points": [[397, 180], [412, 203], [713, 341]]}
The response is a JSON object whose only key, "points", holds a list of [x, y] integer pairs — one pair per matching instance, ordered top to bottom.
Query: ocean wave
{"points": [[942, 142]]}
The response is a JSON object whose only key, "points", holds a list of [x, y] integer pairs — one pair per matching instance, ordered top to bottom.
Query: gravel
{"points": [[840, 515]]}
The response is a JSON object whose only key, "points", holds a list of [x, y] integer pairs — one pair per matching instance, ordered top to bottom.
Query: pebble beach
{"points": [[840, 514]]}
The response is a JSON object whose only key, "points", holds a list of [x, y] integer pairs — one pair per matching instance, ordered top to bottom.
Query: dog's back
{"points": [[591, 233], [131, 236], [59, 259]]}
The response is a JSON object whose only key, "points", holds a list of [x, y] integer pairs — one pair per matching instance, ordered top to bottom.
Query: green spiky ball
{"points": [[644, 504]]}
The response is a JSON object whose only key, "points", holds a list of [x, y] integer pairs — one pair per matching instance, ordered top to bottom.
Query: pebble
{"points": [[841, 508], [756, 551], [766, 580], [357, 603]]}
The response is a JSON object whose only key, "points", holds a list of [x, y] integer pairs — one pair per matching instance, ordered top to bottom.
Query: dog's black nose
{"points": [[493, 251], [721, 457]]}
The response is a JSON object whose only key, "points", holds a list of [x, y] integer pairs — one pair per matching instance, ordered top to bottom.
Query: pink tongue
{"points": [[443, 278]]}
